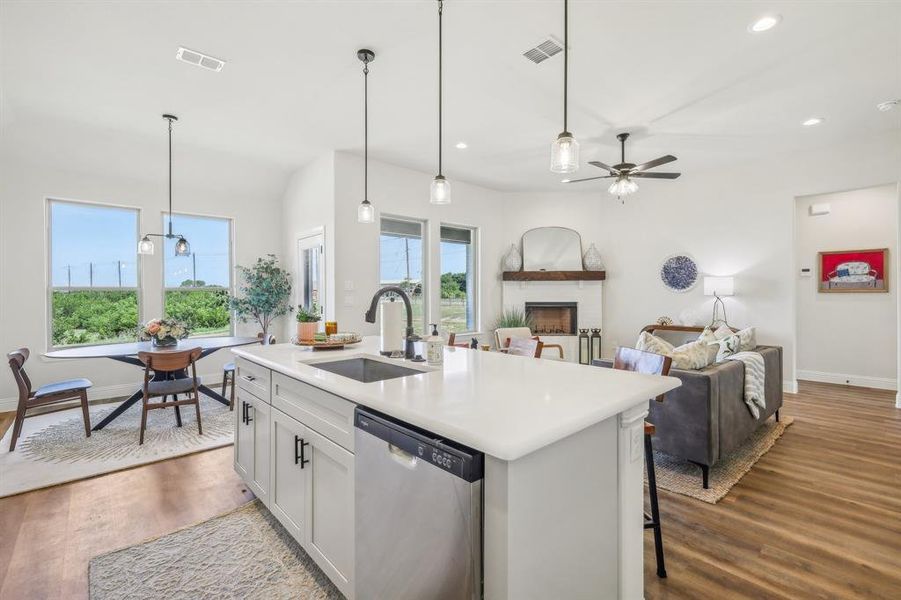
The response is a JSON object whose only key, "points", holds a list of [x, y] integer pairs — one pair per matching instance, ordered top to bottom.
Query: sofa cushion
{"points": [[747, 339], [651, 343], [726, 347], [693, 355]]}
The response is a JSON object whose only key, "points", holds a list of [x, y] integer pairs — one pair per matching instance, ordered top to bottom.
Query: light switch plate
{"points": [[348, 285], [348, 300]]}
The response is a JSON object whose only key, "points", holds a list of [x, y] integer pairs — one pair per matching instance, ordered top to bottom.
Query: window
{"points": [[401, 262], [311, 264], [93, 273], [197, 285], [458, 291]]}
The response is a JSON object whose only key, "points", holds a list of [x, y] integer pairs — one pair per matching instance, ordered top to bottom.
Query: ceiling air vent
{"points": [[543, 50], [199, 59]]}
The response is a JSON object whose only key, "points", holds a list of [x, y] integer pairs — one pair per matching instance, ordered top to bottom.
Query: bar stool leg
{"points": [[654, 522]]}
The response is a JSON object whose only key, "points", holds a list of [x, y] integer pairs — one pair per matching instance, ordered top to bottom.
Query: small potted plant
{"points": [[265, 293], [308, 318], [164, 332]]}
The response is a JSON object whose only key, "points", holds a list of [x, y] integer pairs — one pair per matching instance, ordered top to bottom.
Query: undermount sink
{"points": [[366, 370]]}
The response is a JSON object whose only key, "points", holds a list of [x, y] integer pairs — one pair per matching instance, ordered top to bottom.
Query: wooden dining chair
{"points": [[452, 341], [531, 347], [639, 361], [168, 362], [228, 375], [52, 393]]}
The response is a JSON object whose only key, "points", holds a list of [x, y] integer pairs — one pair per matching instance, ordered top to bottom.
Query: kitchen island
{"points": [[563, 445]]}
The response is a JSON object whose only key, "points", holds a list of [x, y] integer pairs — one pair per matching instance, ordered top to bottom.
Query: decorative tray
{"points": [[334, 342]]}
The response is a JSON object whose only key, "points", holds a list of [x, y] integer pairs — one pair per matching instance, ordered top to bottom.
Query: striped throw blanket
{"points": [[755, 380]]}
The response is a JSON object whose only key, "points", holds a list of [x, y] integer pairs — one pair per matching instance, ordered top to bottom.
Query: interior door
{"points": [[311, 270], [288, 490], [330, 510]]}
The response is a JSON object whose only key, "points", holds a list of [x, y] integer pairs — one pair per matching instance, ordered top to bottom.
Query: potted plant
{"points": [[264, 294], [513, 317], [308, 318], [164, 332]]}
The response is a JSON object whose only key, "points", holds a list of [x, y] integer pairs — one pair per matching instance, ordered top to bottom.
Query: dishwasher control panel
{"points": [[465, 463]]}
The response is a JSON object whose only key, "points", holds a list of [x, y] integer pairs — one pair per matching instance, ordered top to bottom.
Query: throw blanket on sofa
{"points": [[755, 378]]}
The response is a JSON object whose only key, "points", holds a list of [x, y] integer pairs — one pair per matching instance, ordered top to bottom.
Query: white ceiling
{"points": [[686, 77]]}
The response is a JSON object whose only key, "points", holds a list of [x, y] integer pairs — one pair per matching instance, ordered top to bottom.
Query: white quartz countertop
{"points": [[504, 406]]}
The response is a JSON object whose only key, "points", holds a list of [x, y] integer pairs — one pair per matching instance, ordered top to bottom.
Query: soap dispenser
{"points": [[434, 347]]}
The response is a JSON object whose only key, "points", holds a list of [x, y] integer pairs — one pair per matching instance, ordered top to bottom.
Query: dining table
{"points": [[127, 352]]}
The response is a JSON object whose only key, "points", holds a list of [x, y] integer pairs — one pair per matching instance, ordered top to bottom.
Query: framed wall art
{"points": [[852, 271]]}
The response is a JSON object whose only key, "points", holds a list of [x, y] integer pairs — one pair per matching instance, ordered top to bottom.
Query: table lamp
{"points": [[718, 287]]}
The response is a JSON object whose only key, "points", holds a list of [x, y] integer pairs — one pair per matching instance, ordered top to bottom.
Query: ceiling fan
{"points": [[624, 172]]}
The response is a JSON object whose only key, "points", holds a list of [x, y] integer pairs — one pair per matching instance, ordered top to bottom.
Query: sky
{"points": [[85, 235]]}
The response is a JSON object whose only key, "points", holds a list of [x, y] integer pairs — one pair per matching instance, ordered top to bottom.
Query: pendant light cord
{"points": [[440, 46], [565, 61], [366, 130], [170, 176]]}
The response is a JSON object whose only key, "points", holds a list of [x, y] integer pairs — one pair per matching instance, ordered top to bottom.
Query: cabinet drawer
{"points": [[253, 378], [330, 415]]}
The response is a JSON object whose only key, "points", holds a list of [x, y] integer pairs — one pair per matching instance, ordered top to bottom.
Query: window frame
{"points": [[426, 256], [231, 266], [48, 267], [476, 287]]}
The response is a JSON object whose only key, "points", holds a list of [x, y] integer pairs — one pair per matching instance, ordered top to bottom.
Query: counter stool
{"points": [[629, 359], [228, 375]]}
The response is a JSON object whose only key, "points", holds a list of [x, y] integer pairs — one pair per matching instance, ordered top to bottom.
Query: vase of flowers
{"points": [[308, 318], [164, 332]]}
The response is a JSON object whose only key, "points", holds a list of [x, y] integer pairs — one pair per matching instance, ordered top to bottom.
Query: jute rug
{"points": [[53, 448], [683, 477], [242, 554]]}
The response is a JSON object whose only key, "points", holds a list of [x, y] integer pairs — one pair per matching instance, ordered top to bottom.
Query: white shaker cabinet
{"points": [[252, 443], [290, 466]]}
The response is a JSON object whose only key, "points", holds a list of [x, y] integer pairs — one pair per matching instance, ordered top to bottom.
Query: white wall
{"points": [[108, 167], [736, 221], [847, 338]]}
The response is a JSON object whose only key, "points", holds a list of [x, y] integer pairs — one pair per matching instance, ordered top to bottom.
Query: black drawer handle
{"points": [[249, 377], [243, 412], [249, 418], [299, 446]]}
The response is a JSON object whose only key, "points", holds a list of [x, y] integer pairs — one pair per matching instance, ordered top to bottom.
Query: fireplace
{"points": [[553, 318]]}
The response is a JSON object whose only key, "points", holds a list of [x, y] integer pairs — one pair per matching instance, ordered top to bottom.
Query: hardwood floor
{"points": [[819, 516]]}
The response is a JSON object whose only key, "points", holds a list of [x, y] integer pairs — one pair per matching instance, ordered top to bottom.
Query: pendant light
{"points": [[565, 149], [440, 192], [366, 211], [182, 247]]}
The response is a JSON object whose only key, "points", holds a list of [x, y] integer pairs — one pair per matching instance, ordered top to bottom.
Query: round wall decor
{"points": [[679, 273]]}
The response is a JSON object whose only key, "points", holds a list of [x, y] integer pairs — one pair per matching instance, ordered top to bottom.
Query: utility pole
{"points": [[407, 253], [194, 269], [119, 271], [90, 274], [69, 276]]}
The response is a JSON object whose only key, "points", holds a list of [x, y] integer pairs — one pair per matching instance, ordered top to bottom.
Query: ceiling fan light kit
{"points": [[565, 149], [440, 190], [182, 247]]}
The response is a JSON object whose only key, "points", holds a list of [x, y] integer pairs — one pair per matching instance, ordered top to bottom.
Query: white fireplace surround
{"points": [[587, 294]]}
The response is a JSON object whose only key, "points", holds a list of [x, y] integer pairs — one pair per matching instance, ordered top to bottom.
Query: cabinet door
{"points": [[258, 415], [243, 438], [288, 473], [329, 526]]}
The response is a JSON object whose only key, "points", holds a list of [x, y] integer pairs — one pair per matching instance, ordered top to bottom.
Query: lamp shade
{"points": [[719, 286]]}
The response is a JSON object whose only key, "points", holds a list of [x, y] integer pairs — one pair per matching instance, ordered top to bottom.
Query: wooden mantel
{"points": [[555, 275]]}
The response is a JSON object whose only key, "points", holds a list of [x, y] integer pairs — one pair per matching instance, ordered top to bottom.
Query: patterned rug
{"points": [[53, 448], [682, 477], [242, 554]]}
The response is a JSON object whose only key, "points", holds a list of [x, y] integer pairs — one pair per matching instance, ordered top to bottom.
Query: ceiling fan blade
{"points": [[654, 163], [603, 166], [656, 175], [590, 178]]}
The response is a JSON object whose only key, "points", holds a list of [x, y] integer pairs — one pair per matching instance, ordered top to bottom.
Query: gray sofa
{"points": [[706, 417]]}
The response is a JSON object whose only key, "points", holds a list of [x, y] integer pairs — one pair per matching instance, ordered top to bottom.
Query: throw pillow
{"points": [[723, 331], [709, 338], [748, 338], [651, 343], [726, 347], [693, 355]]}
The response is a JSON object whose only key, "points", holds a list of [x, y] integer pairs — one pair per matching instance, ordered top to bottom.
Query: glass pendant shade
{"points": [[565, 154], [623, 187], [441, 191], [365, 212], [145, 246], [182, 247]]}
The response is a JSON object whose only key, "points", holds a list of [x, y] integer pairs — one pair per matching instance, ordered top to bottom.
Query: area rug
{"points": [[53, 448], [682, 477], [242, 554]]}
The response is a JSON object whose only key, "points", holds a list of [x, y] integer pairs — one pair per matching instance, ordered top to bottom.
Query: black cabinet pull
{"points": [[243, 412], [249, 418], [299, 446]]}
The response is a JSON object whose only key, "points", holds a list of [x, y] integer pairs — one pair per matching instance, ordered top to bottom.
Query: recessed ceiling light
{"points": [[764, 23], [199, 59], [888, 105], [812, 121], [462, 145]]}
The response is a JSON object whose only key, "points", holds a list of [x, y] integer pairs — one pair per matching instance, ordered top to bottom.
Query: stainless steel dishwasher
{"points": [[418, 513]]}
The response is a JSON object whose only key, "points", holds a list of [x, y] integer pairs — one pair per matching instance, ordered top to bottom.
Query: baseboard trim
{"points": [[879, 383], [790, 386], [110, 391]]}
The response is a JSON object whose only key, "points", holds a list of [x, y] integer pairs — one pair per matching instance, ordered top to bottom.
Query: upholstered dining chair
{"points": [[503, 333], [452, 341], [531, 347], [639, 361], [169, 362], [228, 375], [52, 393]]}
